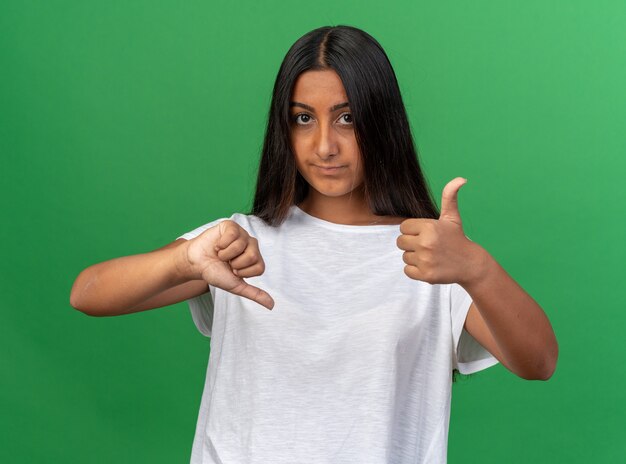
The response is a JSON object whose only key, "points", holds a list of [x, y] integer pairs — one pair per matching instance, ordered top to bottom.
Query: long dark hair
{"points": [[393, 181]]}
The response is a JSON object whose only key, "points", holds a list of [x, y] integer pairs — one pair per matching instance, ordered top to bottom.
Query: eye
{"points": [[305, 118], [346, 118]]}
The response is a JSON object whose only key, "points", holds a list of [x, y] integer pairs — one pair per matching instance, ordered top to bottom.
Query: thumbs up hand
{"points": [[436, 250]]}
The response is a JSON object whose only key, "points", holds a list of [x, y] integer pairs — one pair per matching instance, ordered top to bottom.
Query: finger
{"points": [[450, 201], [414, 226], [229, 232], [405, 242], [233, 250], [250, 255], [410, 257], [245, 259], [251, 271], [413, 272], [253, 293]]}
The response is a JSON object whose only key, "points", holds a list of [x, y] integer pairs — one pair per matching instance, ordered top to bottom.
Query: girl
{"points": [[376, 297]]}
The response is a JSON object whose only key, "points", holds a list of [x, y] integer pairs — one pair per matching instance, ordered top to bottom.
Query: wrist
{"points": [[481, 266], [183, 268]]}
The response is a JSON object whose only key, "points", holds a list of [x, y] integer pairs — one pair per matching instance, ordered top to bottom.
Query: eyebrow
{"points": [[310, 108]]}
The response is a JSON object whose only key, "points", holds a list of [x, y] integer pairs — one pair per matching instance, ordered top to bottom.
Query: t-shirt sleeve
{"points": [[198, 230], [201, 306], [469, 355]]}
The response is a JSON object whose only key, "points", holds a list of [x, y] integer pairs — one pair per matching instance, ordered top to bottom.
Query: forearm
{"points": [[115, 286], [517, 323]]}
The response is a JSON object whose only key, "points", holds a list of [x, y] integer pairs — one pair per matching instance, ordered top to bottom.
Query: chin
{"points": [[336, 192]]}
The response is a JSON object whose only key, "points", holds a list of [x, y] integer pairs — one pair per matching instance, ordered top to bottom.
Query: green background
{"points": [[124, 124]]}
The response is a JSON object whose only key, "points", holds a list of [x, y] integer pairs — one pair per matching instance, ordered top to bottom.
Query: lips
{"points": [[329, 169]]}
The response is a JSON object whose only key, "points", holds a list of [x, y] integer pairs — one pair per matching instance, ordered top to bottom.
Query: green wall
{"points": [[124, 124]]}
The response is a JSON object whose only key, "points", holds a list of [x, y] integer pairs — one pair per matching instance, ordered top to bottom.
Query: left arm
{"points": [[503, 318], [508, 322]]}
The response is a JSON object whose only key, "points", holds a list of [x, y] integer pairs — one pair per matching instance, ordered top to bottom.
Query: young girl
{"points": [[376, 297]]}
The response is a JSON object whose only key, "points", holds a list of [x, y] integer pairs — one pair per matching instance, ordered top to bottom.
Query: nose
{"points": [[326, 142]]}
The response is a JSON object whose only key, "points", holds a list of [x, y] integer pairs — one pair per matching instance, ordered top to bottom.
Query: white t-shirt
{"points": [[353, 364]]}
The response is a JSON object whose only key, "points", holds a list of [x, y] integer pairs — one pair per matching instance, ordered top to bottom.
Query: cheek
{"points": [[298, 142], [296, 150], [297, 155], [358, 162], [301, 167], [360, 175]]}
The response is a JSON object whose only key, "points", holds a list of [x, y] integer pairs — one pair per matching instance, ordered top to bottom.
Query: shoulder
{"points": [[254, 225]]}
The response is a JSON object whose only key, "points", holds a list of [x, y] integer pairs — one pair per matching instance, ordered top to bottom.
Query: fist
{"points": [[436, 250], [223, 255]]}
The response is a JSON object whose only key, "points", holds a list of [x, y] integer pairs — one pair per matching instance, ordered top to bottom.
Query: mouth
{"points": [[329, 169]]}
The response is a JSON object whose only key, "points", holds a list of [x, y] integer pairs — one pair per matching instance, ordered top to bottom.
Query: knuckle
{"points": [[232, 228], [228, 238], [429, 243], [240, 245], [252, 260], [251, 271], [409, 271], [243, 273]]}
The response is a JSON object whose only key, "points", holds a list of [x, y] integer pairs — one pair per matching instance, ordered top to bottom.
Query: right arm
{"points": [[222, 256], [137, 283]]}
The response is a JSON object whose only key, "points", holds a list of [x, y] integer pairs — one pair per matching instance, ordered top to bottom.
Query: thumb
{"points": [[450, 202], [253, 293]]}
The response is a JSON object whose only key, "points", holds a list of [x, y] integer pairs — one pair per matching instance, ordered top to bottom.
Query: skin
{"points": [[221, 256], [503, 317]]}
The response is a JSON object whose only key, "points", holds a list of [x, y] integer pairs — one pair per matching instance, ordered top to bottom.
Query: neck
{"points": [[350, 209]]}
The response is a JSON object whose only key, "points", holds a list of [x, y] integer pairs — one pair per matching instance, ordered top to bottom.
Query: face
{"points": [[322, 135]]}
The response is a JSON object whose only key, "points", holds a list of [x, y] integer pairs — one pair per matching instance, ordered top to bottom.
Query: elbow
{"points": [[75, 292], [82, 298], [76, 302], [79, 306], [91, 309], [85, 310], [551, 361], [539, 366], [546, 368], [548, 371], [543, 373]]}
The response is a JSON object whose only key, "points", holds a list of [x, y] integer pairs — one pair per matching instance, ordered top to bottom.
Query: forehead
{"points": [[324, 87]]}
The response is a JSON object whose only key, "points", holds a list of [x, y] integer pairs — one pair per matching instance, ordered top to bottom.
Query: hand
{"points": [[436, 250], [223, 255]]}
